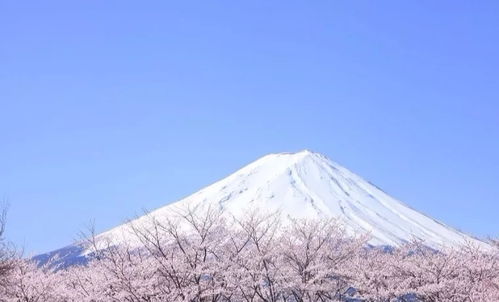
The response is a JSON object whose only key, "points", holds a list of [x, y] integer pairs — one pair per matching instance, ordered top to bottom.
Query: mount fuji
{"points": [[303, 185]]}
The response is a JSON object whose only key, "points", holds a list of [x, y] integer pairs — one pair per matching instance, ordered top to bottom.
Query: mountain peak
{"points": [[298, 154], [286, 160]]}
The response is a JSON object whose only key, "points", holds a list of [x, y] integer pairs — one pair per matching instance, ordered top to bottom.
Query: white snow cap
{"points": [[309, 185]]}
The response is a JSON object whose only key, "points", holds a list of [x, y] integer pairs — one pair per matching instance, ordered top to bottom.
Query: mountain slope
{"points": [[309, 185]]}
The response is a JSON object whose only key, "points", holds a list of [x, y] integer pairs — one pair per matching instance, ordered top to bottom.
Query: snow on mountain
{"points": [[309, 185]]}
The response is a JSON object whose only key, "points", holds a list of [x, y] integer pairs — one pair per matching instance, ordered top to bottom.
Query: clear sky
{"points": [[111, 107]]}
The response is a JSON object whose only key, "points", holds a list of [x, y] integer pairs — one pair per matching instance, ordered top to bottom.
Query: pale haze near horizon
{"points": [[112, 108]]}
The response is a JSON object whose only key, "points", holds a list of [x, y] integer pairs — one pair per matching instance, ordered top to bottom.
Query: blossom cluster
{"points": [[206, 257]]}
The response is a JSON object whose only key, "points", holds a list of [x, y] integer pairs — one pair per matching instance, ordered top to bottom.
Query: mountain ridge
{"points": [[307, 184]]}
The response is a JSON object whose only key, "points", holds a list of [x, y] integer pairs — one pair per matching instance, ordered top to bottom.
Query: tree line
{"points": [[203, 256]]}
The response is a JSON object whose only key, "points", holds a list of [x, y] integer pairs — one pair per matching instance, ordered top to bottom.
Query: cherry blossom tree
{"points": [[7, 253], [253, 255], [317, 255], [201, 256], [415, 271], [30, 283]]}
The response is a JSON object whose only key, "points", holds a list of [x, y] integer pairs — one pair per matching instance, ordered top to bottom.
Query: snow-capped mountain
{"points": [[309, 185]]}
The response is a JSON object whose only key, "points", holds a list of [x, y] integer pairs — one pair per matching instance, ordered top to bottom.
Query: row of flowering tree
{"points": [[202, 256]]}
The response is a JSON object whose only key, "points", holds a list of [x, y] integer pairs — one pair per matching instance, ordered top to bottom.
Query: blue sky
{"points": [[108, 108]]}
